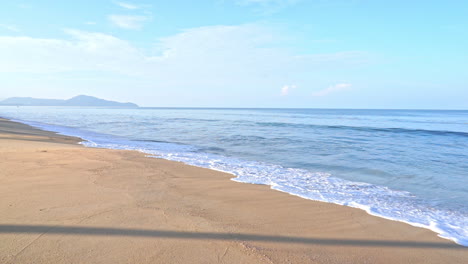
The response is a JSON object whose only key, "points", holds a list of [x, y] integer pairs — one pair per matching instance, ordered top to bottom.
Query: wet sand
{"points": [[64, 203]]}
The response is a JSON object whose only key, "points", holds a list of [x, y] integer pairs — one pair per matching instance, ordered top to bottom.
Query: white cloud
{"points": [[127, 5], [128, 22], [90, 23], [10, 27], [86, 51], [206, 61], [286, 89], [332, 89]]}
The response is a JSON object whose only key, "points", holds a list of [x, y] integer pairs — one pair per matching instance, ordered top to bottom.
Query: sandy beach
{"points": [[63, 203]]}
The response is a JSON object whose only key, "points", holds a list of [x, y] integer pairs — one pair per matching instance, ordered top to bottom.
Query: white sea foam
{"points": [[375, 200]]}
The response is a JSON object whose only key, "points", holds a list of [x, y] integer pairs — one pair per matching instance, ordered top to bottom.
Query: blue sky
{"points": [[239, 53]]}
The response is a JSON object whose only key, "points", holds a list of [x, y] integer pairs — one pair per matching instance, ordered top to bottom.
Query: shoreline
{"points": [[180, 205], [438, 226]]}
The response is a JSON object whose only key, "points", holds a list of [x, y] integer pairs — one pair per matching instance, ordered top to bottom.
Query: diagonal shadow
{"points": [[103, 231]]}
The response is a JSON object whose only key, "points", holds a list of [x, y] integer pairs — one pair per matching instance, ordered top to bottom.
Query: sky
{"points": [[239, 53]]}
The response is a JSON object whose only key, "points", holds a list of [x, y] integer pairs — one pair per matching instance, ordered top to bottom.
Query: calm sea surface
{"points": [[405, 165]]}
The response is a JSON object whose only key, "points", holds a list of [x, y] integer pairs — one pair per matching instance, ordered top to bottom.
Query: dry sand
{"points": [[64, 203]]}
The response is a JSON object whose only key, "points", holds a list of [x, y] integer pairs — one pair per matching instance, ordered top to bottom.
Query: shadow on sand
{"points": [[150, 233]]}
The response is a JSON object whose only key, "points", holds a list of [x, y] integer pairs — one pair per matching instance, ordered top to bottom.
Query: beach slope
{"points": [[64, 203]]}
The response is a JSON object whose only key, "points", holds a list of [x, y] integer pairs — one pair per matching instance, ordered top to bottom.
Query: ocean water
{"points": [[404, 165]]}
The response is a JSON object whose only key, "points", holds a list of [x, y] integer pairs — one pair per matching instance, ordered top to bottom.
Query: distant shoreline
{"points": [[80, 100]]}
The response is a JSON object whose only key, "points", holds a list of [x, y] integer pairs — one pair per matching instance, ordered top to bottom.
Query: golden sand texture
{"points": [[64, 203]]}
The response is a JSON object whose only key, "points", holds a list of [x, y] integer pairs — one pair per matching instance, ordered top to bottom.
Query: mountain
{"points": [[80, 100], [84, 100]]}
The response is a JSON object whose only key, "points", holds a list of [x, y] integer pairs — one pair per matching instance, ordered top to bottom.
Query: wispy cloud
{"points": [[127, 5], [128, 22], [90, 23], [10, 27], [88, 51], [207, 57], [286, 89], [333, 89]]}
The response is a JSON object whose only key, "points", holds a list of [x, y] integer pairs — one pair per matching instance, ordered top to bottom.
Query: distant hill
{"points": [[80, 100]]}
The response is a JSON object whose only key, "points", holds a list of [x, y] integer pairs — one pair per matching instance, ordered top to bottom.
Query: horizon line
{"points": [[245, 108]]}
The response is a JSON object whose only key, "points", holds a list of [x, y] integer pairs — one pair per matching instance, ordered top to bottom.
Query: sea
{"points": [[404, 165]]}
